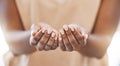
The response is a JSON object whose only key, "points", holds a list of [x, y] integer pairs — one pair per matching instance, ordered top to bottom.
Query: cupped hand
{"points": [[43, 37], [72, 37]]}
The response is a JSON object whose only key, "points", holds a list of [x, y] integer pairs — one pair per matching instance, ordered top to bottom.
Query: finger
{"points": [[35, 29], [33, 33], [84, 33], [77, 34], [81, 35], [71, 38], [85, 38], [34, 39], [43, 40], [66, 41], [50, 42], [55, 45], [39, 46], [62, 46]]}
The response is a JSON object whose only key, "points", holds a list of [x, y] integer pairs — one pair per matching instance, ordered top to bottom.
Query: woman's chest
{"points": [[58, 12]]}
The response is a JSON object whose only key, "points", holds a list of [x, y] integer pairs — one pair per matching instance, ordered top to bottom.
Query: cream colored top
{"points": [[57, 13]]}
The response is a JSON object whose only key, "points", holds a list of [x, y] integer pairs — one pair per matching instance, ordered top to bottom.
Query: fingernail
{"points": [[65, 27], [72, 29], [43, 30], [39, 31], [49, 31], [62, 32], [33, 33], [53, 34], [83, 34], [86, 36], [56, 38], [60, 38]]}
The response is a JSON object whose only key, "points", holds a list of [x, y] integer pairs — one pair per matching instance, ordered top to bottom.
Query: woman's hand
{"points": [[43, 37], [72, 37]]}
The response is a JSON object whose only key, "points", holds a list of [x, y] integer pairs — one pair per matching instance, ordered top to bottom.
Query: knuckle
{"points": [[69, 33], [47, 35], [42, 42], [72, 42], [47, 48], [63, 49]]}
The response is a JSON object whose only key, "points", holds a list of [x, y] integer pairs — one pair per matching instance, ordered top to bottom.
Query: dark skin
{"points": [[14, 28], [43, 37], [72, 37], [100, 38], [69, 40]]}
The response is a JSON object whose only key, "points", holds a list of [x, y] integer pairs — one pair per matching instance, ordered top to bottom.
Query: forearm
{"points": [[106, 24], [18, 42], [96, 45]]}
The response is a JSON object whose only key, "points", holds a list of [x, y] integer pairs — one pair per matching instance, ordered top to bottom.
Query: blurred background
{"points": [[113, 50]]}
